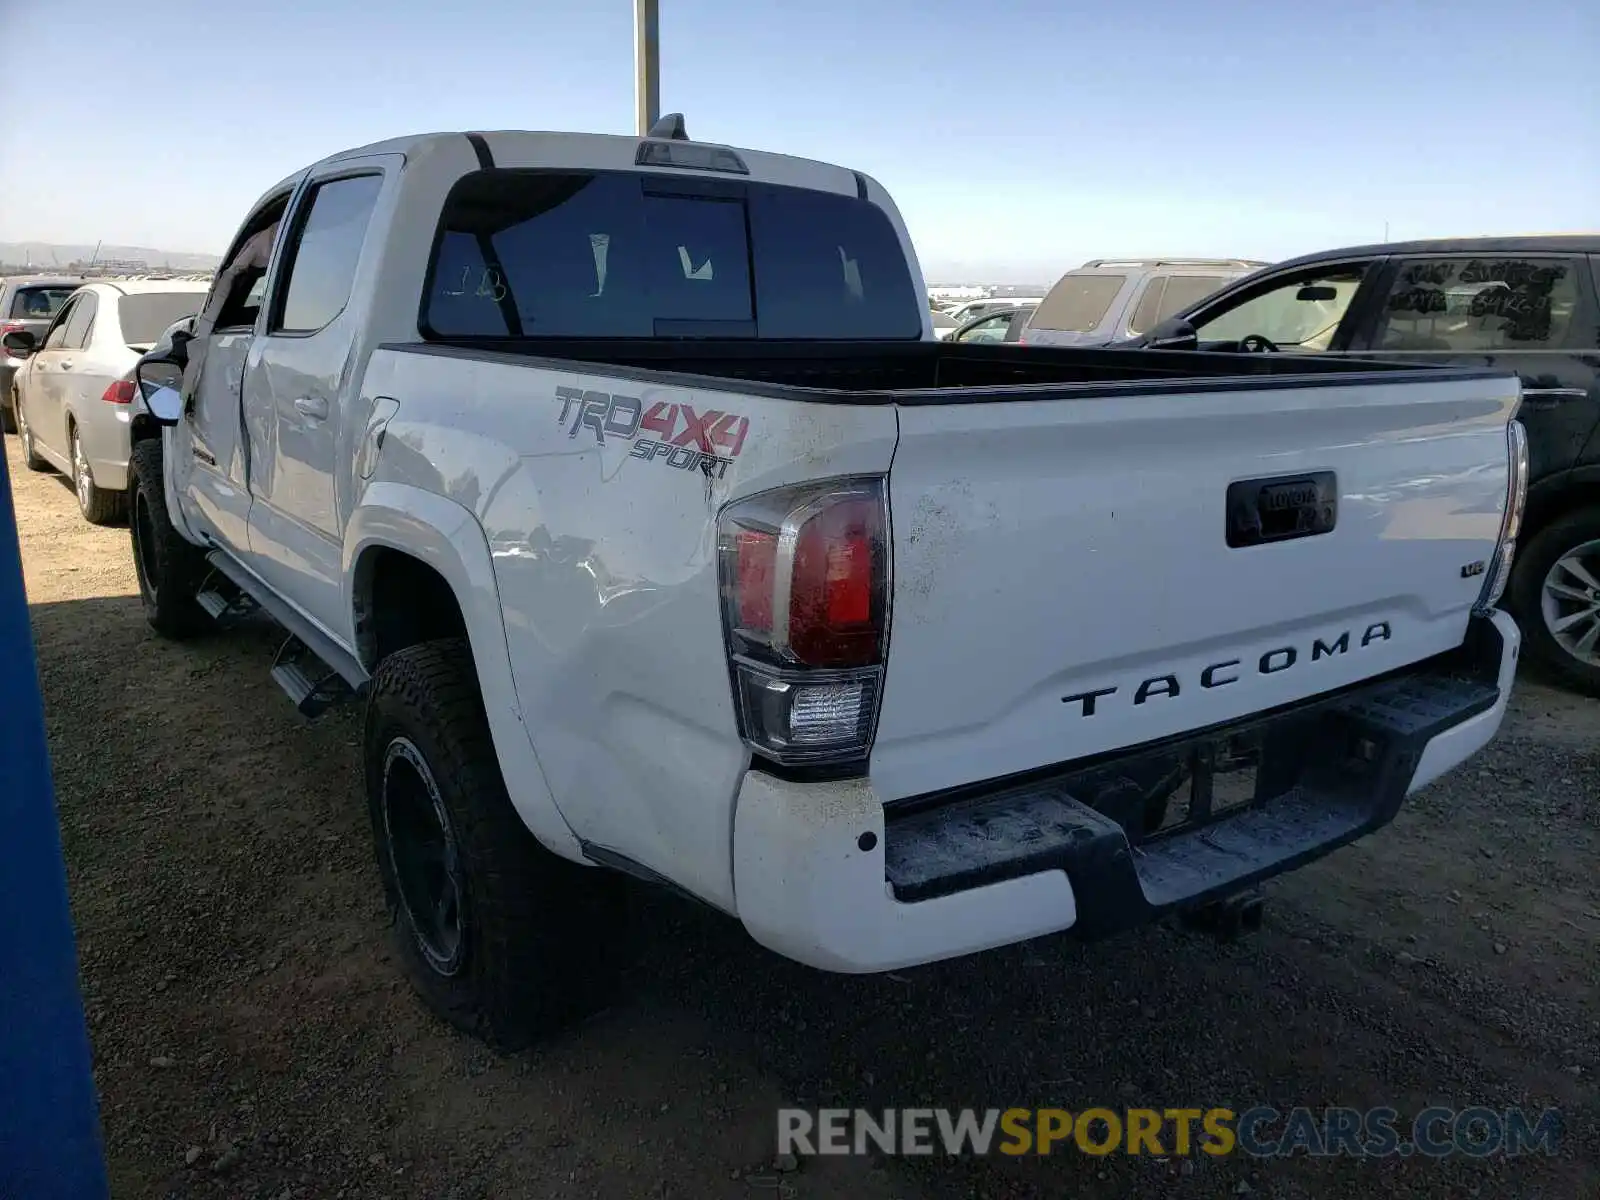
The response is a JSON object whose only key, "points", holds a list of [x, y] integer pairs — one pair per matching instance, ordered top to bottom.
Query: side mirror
{"points": [[1317, 291], [1172, 334], [20, 343], [160, 373], [161, 389]]}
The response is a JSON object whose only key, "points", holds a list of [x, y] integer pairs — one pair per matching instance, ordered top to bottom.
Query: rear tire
{"points": [[30, 454], [99, 506], [169, 568], [1536, 610], [502, 938]]}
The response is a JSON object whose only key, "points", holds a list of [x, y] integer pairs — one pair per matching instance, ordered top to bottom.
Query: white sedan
{"points": [[73, 394]]}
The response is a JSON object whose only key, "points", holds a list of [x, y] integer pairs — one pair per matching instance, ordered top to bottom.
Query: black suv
{"points": [[1528, 304]]}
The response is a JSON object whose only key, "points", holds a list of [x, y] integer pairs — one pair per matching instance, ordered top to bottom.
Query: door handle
{"points": [[66, 365], [315, 407]]}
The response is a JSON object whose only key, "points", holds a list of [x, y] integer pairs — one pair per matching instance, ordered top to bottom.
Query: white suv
{"points": [[1106, 300]]}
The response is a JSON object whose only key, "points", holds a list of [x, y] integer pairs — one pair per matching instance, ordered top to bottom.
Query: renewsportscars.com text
{"points": [[1259, 1132]]}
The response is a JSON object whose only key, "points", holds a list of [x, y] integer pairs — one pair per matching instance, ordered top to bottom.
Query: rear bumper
{"points": [[107, 441], [823, 875]]}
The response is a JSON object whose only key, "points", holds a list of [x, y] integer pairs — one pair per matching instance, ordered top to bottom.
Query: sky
{"points": [[1019, 137]]}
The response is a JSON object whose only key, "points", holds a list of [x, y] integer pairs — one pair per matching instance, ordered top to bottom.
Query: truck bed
{"points": [[931, 372]]}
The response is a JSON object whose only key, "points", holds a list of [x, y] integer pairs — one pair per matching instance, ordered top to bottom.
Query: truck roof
{"points": [[603, 151]]}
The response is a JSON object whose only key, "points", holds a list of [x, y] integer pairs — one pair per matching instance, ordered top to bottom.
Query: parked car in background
{"points": [[1106, 300], [28, 303], [1527, 304], [969, 309], [943, 324], [1003, 325], [71, 395]]}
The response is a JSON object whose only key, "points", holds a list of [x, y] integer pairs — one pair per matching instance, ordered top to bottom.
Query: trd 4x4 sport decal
{"points": [[685, 439]]}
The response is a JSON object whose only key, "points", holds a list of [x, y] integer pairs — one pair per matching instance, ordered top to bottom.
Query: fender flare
{"points": [[448, 538]]}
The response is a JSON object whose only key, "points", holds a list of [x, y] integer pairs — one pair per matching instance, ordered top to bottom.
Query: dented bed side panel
{"points": [[599, 499]]}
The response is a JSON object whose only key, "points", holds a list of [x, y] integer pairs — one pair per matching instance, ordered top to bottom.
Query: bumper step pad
{"points": [[1329, 772]]}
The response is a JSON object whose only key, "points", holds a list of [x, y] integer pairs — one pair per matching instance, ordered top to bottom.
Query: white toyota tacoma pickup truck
{"points": [[625, 483]]}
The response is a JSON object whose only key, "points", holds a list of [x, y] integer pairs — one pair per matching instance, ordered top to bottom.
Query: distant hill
{"points": [[50, 256]]}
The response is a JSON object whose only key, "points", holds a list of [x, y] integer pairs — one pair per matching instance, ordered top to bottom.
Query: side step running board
{"points": [[222, 608], [313, 670], [310, 685]]}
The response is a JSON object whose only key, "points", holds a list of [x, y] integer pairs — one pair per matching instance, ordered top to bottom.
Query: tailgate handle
{"points": [[1281, 508]]}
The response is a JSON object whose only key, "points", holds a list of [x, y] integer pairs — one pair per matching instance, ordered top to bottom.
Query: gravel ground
{"points": [[253, 1038]]}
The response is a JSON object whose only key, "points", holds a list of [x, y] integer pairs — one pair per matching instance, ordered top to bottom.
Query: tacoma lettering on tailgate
{"points": [[685, 439], [1230, 670]]}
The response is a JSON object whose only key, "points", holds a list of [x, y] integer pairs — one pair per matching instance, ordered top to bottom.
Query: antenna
{"points": [[669, 126]]}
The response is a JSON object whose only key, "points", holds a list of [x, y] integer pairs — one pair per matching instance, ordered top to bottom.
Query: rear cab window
{"points": [[526, 253], [38, 303], [1078, 303]]}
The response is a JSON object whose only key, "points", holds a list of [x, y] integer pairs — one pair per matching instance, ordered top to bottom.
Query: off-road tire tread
{"points": [[171, 611], [541, 930]]}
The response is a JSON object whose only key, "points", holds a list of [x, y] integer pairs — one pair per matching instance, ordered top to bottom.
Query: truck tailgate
{"points": [[1064, 583]]}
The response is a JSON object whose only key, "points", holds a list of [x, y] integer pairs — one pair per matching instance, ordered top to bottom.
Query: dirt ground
{"points": [[253, 1038]]}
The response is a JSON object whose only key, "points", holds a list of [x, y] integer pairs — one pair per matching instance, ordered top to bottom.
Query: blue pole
{"points": [[49, 1123]]}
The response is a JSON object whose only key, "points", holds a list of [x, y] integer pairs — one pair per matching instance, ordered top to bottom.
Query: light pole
{"points": [[646, 64]]}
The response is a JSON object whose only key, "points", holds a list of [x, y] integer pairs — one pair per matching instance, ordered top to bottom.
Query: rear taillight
{"points": [[5, 328], [120, 392], [1511, 523], [804, 575]]}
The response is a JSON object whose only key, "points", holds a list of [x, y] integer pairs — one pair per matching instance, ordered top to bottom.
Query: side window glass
{"points": [[320, 266], [1185, 291], [236, 296], [1479, 304], [1148, 312], [1300, 314], [79, 323], [988, 329], [58, 332]]}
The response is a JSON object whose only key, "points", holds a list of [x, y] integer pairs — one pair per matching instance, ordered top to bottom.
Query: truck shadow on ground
{"points": [[1159, 1018]]}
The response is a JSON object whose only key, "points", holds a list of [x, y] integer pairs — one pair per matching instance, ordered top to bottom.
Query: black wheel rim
{"points": [[144, 545], [422, 852]]}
